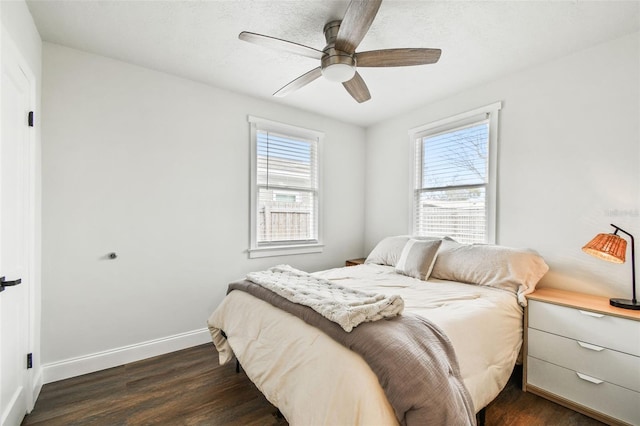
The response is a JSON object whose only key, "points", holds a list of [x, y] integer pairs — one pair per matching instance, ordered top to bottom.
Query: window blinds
{"points": [[451, 182], [287, 188]]}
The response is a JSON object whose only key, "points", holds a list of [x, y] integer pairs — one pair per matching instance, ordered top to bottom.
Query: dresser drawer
{"points": [[598, 329], [596, 361], [607, 398]]}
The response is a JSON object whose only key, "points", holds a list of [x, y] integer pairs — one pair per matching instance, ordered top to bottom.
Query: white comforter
{"points": [[314, 380]]}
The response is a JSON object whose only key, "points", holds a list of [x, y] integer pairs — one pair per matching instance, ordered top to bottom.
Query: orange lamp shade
{"points": [[609, 247]]}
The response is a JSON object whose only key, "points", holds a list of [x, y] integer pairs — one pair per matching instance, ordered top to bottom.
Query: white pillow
{"points": [[388, 250], [417, 258], [509, 269]]}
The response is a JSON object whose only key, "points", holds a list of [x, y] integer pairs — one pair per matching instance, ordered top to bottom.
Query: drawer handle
{"points": [[591, 314], [590, 346], [589, 378]]}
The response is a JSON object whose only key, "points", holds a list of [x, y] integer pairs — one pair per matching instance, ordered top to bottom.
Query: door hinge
{"points": [[30, 118], [29, 360]]}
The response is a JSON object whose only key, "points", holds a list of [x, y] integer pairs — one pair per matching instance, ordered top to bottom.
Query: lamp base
{"points": [[625, 304]]}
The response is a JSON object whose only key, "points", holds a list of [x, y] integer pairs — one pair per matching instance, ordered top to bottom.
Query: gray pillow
{"points": [[417, 258]]}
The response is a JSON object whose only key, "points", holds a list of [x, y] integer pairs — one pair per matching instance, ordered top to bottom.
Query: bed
{"points": [[474, 294]]}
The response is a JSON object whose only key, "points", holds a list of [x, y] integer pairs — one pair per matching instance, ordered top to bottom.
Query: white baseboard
{"points": [[78, 366]]}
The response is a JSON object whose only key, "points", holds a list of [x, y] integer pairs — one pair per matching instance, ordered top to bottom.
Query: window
{"points": [[454, 188], [285, 189]]}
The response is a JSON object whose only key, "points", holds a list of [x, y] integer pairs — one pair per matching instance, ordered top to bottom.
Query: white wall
{"points": [[19, 26], [569, 162], [156, 168]]}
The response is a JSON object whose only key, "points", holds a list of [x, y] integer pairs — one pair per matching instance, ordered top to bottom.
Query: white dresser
{"points": [[584, 354]]}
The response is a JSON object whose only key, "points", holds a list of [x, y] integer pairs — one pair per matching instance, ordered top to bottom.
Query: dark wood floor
{"points": [[189, 388]]}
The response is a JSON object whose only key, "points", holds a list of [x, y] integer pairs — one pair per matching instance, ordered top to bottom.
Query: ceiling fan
{"points": [[339, 59]]}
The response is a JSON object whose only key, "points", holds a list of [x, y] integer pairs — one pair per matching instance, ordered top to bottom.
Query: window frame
{"points": [[489, 113], [257, 250]]}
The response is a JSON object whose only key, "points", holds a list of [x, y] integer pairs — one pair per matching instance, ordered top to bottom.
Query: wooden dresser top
{"points": [[583, 301]]}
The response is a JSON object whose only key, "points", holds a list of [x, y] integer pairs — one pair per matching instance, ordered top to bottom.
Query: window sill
{"points": [[285, 250]]}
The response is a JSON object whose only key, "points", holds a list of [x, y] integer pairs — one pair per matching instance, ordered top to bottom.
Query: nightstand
{"points": [[354, 262], [583, 353]]}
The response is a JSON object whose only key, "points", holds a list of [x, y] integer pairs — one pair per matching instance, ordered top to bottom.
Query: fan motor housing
{"points": [[333, 56], [336, 65]]}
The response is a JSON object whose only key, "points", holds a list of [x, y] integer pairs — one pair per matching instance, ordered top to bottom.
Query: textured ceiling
{"points": [[481, 41]]}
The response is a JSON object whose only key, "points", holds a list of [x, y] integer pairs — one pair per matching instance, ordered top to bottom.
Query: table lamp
{"points": [[613, 248]]}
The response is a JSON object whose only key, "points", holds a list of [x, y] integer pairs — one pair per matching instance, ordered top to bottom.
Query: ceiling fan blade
{"points": [[355, 24], [276, 43], [397, 57], [299, 82], [357, 89]]}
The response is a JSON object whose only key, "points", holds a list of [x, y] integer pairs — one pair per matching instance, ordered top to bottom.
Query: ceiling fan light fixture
{"points": [[337, 66], [339, 72]]}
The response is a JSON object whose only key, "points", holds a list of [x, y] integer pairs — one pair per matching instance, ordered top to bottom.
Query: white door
{"points": [[16, 221]]}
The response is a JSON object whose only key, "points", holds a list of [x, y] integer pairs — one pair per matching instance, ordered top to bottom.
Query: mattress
{"points": [[314, 380]]}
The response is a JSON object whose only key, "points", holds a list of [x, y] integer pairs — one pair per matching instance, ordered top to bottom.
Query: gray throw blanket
{"points": [[413, 359]]}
